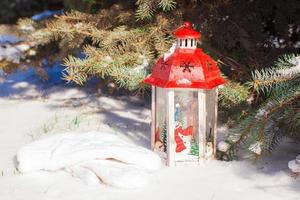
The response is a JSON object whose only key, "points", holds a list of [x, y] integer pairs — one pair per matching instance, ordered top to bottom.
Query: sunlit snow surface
{"points": [[9, 39], [31, 108]]}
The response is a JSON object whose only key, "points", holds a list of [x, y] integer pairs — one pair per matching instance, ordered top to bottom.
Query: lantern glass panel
{"points": [[161, 123], [210, 123], [186, 125]]}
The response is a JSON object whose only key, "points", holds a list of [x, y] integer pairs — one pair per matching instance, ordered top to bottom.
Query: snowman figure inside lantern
{"points": [[184, 101]]}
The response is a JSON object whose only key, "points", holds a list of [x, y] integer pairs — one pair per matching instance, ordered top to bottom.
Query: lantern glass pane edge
{"points": [[160, 128]]}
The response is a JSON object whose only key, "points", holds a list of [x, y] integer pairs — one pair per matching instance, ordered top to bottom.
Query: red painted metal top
{"points": [[186, 31], [186, 68]]}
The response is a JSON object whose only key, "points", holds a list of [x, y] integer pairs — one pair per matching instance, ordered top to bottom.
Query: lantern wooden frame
{"points": [[207, 121]]}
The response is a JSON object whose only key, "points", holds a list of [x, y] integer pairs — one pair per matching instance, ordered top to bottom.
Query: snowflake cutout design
{"points": [[164, 64], [209, 64], [186, 66]]}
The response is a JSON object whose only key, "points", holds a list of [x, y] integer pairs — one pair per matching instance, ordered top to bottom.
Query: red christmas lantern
{"points": [[184, 101]]}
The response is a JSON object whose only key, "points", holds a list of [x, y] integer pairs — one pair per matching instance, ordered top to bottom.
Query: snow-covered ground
{"points": [[31, 108]]}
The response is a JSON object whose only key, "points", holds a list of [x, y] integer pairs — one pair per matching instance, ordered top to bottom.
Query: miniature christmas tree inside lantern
{"points": [[184, 101]]}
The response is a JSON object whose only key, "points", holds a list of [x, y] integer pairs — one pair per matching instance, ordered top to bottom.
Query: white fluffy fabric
{"points": [[93, 157]]}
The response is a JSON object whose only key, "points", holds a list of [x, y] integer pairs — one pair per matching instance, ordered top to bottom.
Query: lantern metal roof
{"points": [[186, 31], [186, 67]]}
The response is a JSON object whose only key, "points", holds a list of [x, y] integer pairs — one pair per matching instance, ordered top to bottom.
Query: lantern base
{"points": [[184, 160]]}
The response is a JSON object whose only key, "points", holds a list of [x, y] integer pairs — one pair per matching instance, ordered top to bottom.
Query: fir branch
{"points": [[167, 5], [147, 8], [113, 52], [128, 78], [265, 79], [233, 94], [262, 130]]}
